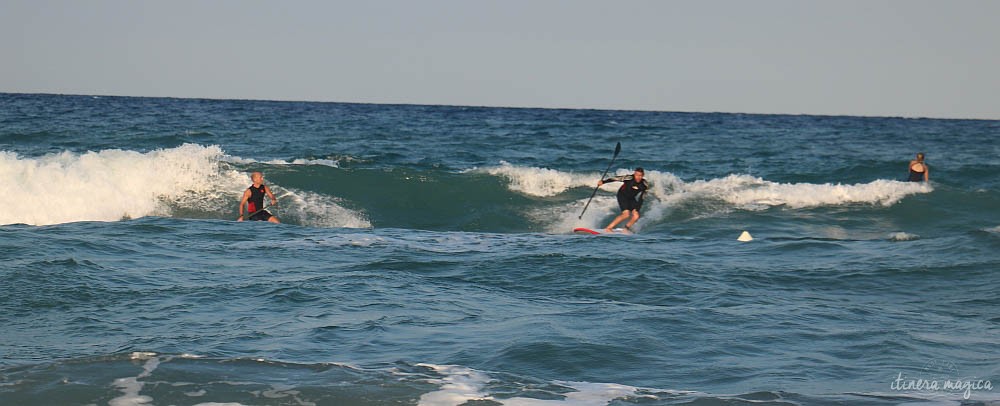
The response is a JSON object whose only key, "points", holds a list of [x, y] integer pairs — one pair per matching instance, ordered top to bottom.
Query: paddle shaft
{"points": [[618, 148], [249, 214]]}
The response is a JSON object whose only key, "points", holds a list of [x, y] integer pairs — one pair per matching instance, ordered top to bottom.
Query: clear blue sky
{"points": [[911, 58]]}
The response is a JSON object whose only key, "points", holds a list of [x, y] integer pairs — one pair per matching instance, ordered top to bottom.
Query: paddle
{"points": [[618, 148]]}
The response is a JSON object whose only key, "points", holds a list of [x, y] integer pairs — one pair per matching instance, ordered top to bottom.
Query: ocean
{"points": [[426, 257]]}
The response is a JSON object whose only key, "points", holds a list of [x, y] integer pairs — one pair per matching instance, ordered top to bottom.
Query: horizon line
{"points": [[484, 106]]}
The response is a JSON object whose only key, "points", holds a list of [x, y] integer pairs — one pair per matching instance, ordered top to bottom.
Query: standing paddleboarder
{"points": [[629, 197], [253, 198]]}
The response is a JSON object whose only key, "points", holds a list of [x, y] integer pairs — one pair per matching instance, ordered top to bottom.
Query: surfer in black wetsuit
{"points": [[919, 172], [629, 197], [253, 199]]}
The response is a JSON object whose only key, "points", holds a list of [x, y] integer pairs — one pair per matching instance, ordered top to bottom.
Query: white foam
{"points": [[301, 161], [334, 163], [541, 182], [548, 182], [112, 184], [746, 191], [732, 192], [605, 203], [318, 210], [561, 219], [995, 230], [903, 236], [141, 355], [459, 385], [130, 387], [585, 394], [938, 398], [219, 404]]}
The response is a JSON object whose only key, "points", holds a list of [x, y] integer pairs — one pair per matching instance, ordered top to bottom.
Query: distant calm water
{"points": [[426, 257]]}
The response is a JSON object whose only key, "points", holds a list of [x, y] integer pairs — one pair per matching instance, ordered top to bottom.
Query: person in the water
{"points": [[919, 172], [629, 197], [253, 199]]}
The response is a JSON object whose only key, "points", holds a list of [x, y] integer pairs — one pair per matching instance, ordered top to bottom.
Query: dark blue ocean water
{"points": [[426, 257]]}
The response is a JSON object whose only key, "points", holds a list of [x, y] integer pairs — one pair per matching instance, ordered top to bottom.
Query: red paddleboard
{"points": [[584, 230]]}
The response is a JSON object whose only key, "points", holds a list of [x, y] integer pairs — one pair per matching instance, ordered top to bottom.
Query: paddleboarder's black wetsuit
{"points": [[917, 176], [631, 193], [255, 203]]}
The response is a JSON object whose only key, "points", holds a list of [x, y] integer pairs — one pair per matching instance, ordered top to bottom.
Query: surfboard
{"points": [[584, 230]]}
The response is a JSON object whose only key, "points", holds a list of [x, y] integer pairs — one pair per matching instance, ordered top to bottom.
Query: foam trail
{"points": [[293, 162], [319, 211], [561, 219], [459, 385], [130, 387], [585, 394]]}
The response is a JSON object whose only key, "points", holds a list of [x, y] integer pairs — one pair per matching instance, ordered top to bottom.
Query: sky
{"points": [[909, 58]]}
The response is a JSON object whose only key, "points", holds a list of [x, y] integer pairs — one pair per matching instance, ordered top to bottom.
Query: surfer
{"points": [[919, 172], [629, 197], [253, 198]]}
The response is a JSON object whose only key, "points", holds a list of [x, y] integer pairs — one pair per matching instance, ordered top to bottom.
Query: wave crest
{"points": [[190, 180], [539, 182], [110, 184], [745, 191], [699, 197]]}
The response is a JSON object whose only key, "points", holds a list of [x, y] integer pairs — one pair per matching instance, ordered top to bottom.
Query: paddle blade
{"points": [[618, 148]]}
